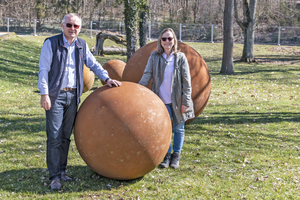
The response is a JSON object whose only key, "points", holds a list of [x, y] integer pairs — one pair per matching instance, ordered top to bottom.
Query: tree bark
{"points": [[94, 5], [144, 12], [131, 14], [247, 25], [227, 60]]}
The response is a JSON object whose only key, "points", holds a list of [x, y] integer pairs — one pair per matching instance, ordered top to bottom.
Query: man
{"points": [[61, 84]]}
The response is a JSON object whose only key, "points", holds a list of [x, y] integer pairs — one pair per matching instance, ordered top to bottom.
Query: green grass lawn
{"points": [[245, 144]]}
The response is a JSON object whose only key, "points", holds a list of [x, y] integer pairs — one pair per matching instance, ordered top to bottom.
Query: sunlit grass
{"points": [[245, 144]]}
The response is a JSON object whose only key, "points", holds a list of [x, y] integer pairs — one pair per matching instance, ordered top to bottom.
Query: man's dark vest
{"points": [[58, 66]]}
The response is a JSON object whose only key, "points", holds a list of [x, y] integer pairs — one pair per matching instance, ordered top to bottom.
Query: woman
{"points": [[170, 72]]}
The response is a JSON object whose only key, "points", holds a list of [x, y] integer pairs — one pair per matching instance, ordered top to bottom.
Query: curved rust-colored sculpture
{"points": [[115, 69], [200, 76], [88, 78], [122, 132]]}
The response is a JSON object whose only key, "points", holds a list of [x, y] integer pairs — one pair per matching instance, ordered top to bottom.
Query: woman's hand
{"points": [[184, 109]]}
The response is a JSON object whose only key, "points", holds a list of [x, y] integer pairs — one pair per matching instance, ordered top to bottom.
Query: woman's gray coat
{"points": [[181, 83]]}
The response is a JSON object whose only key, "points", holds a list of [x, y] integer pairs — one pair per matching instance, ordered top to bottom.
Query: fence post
{"points": [[8, 25], [35, 27], [91, 27], [120, 27], [180, 29], [279, 29], [212, 34], [149, 37]]}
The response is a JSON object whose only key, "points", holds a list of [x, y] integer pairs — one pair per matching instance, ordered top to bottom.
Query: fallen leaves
{"points": [[252, 187]]}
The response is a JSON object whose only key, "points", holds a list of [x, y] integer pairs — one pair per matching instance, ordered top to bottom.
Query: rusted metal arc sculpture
{"points": [[115, 69], [88, 78], [201, 83], [122, 132]]}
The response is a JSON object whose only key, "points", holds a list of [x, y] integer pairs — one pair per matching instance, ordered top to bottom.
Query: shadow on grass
{"points": [[260, 59], [20, 62], [265, 64], [256, 71], [231, 118], [228, 121], [20, 123], [239, 130], [35, 180]]}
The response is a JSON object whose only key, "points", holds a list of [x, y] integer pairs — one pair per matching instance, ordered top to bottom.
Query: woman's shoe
{"points": [[175, 160], [166, 162]]}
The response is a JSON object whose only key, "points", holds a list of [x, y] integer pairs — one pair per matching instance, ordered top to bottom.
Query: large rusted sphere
{"points": [[115, 69], [88, 78], [201, 85], [122, 132]]}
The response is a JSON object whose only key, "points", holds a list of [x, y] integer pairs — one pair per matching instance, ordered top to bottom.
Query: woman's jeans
{"points": [[59, 124], [178, 133]]}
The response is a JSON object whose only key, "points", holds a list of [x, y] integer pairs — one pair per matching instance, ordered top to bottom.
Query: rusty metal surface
{"points": [[115, 69], [88, 78], [122, 132]]}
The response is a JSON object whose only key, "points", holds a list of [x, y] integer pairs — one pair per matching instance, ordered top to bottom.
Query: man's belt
{"points": [[68, 89]]}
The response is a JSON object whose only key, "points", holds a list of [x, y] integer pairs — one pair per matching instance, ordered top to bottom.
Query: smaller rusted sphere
{"points": [[115, 69], [88, 78], [122, 132]]}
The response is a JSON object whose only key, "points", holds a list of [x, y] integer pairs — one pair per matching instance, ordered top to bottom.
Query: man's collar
{"points": [[66, 41]]}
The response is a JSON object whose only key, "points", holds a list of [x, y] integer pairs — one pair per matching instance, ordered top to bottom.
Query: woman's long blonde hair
{"points": [[160, 49]]}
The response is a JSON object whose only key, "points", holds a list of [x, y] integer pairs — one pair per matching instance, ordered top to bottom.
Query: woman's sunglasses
{"points": [[70, 26], [168, 38]]}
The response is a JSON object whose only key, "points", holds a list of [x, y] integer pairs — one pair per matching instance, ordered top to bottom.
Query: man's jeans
{"points": [[59, 124], [178, 133]]}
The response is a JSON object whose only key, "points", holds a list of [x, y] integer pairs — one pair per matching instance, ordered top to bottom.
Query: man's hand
{"points": [[112, 82], [45, 102], [184, 109]]}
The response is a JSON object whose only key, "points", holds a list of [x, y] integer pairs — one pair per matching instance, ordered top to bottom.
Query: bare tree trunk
{"points": [[195, 9], [210, 11], [40, 12], [144, 12], [131, 13], [247, 25], [249, 35], [247, 55], [227, 63]]}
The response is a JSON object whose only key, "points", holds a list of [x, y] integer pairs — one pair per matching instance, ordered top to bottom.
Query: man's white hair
{"points": [[71, 15]]}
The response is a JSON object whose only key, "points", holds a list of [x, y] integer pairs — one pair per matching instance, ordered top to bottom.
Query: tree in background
{"points": [[94, 4], [63, 7], [195, 9], [185, 11], [40, 12], [269, 12], [143, 14], [131, 16], [247, 25], [227, 60]]}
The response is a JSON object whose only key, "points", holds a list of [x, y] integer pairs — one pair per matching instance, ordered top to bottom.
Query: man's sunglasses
{"points": [[70, 26], [168, 38]]}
